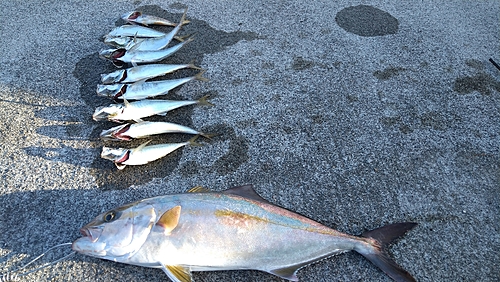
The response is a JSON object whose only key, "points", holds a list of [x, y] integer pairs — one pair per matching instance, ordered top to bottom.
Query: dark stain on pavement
{"points": [[366, 20], [207, 41], [300, 64], [387, 73], [481, 82], [236, 155]]}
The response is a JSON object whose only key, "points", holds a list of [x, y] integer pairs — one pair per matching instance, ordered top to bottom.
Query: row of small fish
{"points": [[136, 44]]}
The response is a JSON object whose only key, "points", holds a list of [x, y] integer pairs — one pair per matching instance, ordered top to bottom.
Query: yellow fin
{"points": [[198, 189], [169, 219], [178, 273]]}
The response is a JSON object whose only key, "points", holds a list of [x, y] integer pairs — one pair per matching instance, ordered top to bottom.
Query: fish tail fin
{"points": [[183, 18], [182, 38], [188, 38], [190, 65], [199, 76], [204, 101], [208, 135], [192, 142], [377, 254]]}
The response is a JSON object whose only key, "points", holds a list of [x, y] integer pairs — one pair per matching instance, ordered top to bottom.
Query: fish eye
{"points": [[109, 216]]}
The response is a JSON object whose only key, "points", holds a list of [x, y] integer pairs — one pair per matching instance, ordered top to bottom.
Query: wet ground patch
{"points": [[364, 20], [388, 72], [481, 82], [236, 154]]}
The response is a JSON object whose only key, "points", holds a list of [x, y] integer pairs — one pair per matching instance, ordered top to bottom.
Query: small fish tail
{"points": [[183, 18], [186, 38], [193, 66], [199, 76], [204, 101], [208, 135], [192, 142], [377, 254]]}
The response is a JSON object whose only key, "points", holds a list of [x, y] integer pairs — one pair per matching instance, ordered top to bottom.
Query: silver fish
{"points": [[137, 17], [134, 31], [126, 42], [156, 43], [139, 57], [143, 72], [142, 90], [137, 110], [129, 131], [142, 154], [228, 230]]}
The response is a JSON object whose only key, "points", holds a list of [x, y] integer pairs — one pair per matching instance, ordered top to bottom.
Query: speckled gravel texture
{"points": [[356, 114]]}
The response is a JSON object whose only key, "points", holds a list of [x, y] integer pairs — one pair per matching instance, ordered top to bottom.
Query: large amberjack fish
{"points": [[136, 17], [134, 57], [143, 72], [142, 90], [137, 110], [130, 131], [143, 154], [228, 230]]}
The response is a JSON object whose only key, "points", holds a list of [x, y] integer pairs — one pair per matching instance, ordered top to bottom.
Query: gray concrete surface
{"points": [[354, 113]]}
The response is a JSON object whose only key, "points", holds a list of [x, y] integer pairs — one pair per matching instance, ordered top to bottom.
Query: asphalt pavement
{"points": [[355, 114]]}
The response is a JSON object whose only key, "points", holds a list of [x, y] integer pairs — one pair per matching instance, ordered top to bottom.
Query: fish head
{"points": [[131, 16], [117, 41], [112, 54], [113, 77], [111, 90], [107, 112], [117, 133], [116, 155], [118, 233]]}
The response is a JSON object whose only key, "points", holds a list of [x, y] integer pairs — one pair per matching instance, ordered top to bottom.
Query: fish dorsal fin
{"points": [[140, 146], [198, 189], [245, 191], [169, 219], [177, 273], [287, 273]]}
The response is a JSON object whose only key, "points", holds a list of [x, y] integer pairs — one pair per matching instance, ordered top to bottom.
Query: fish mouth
{"points": [[131, 15], [112, 54], [116, 155], [89, 234]]}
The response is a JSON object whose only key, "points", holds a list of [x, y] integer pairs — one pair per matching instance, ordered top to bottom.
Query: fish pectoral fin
{"points": [[126, 103], [135, 150], [120, 166], [198, 189], [169, 219], [178, 273]]}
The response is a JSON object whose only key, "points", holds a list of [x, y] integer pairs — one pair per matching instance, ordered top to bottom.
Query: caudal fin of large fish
{"points": [[384, 236]]}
